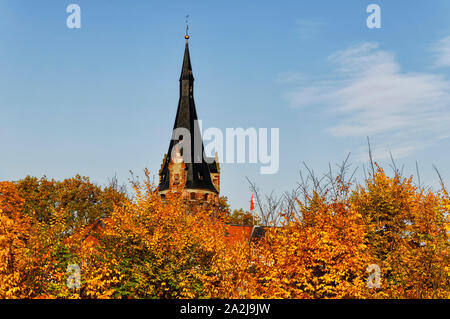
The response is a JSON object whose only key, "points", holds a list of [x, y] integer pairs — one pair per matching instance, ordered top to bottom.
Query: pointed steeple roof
{"points": [[186, 69], [198, 175]]}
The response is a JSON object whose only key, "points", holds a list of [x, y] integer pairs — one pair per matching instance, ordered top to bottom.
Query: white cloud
{"points": [[442, 51], [401, 112]]}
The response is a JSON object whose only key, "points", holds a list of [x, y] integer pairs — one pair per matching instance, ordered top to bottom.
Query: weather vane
{"points": [[187, 27]]}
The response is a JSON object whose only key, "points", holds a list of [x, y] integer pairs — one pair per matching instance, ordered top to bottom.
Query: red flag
{"points": [[252, 203]]}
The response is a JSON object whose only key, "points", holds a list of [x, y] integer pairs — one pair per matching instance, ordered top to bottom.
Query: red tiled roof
{"points": [[235, 233]]}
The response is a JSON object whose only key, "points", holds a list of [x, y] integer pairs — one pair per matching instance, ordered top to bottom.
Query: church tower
{"points": [[185, 167]]}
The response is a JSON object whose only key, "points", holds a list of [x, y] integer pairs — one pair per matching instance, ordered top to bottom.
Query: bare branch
{"points": [[370, 157], [418, 175], [440, 177]]}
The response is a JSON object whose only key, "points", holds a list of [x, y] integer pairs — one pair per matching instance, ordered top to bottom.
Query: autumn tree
{"points": [[83, 201], [241, 217], [15, 229], [407, 232], [317, 243], [159, 250], [323, 254]]}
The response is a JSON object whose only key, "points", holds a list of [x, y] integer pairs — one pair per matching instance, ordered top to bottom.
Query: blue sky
{"points": [[101, 100]]}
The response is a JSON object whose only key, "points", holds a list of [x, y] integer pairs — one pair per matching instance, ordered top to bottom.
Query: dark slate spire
{"points": [[186, 69], [197, 171]]}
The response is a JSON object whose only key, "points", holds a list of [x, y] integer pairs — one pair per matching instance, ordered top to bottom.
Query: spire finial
{"points": [[187, 28]]}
